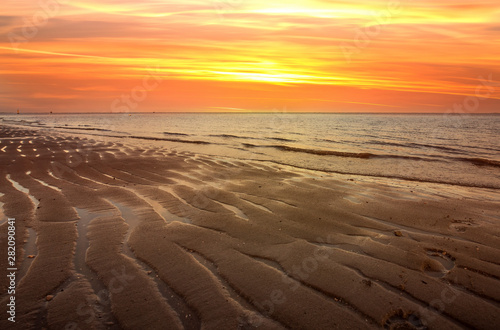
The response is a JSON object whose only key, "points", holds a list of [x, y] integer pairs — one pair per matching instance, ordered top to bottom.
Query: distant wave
{"points": [[21, 122], [84, 128], [177, 134], [123, 136], [227, 136], [230, 136], [167, 139], [281, 139], [326, 140], [249, 145], [418, 145], [448, 149], [491, 149], [325, 152], [362, 155], [366, 155], [473, 160], [481, 161], [399, 177]]}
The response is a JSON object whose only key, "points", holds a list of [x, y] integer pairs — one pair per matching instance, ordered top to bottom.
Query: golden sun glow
{"points": [[345, 56]]}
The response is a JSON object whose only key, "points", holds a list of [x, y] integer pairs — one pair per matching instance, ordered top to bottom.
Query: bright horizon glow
{"points": [[242, 55]]}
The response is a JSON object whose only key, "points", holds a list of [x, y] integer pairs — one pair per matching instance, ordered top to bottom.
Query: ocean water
{"points": [[461, 150]]}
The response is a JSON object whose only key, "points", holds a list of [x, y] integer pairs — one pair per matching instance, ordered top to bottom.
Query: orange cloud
{"points": [[216, 54]]}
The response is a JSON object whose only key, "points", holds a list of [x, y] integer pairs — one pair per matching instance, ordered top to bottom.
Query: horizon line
{"points": [[250, 112]]}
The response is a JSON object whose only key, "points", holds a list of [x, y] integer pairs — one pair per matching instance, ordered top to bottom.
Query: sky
{"points": [[250, 55]]}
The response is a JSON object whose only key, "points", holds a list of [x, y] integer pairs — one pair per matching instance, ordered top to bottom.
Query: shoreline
{"points": [[229, 153], [238, 243]]}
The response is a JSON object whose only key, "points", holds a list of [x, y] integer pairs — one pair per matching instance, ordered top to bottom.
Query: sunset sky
{"points": [[249, 55]]}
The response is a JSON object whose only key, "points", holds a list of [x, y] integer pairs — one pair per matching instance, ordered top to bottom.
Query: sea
{"points": [[451, 149]]}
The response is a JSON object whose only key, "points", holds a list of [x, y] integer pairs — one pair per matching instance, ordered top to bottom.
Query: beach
{"points": [[231, 164], [114, 235]]}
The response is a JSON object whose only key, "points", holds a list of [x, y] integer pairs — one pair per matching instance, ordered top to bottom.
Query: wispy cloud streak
{"points": [[425, 57]]}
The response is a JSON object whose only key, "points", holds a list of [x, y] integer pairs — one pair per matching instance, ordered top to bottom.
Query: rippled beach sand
{"points": [[111, 235]]}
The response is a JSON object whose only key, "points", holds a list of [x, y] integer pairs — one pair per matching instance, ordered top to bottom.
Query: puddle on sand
{"points": [[24, 190], [128, 215], [82, 244], [188, 318]]}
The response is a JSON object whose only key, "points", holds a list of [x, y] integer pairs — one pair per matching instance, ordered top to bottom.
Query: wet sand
{"points": [[110, 235]]}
